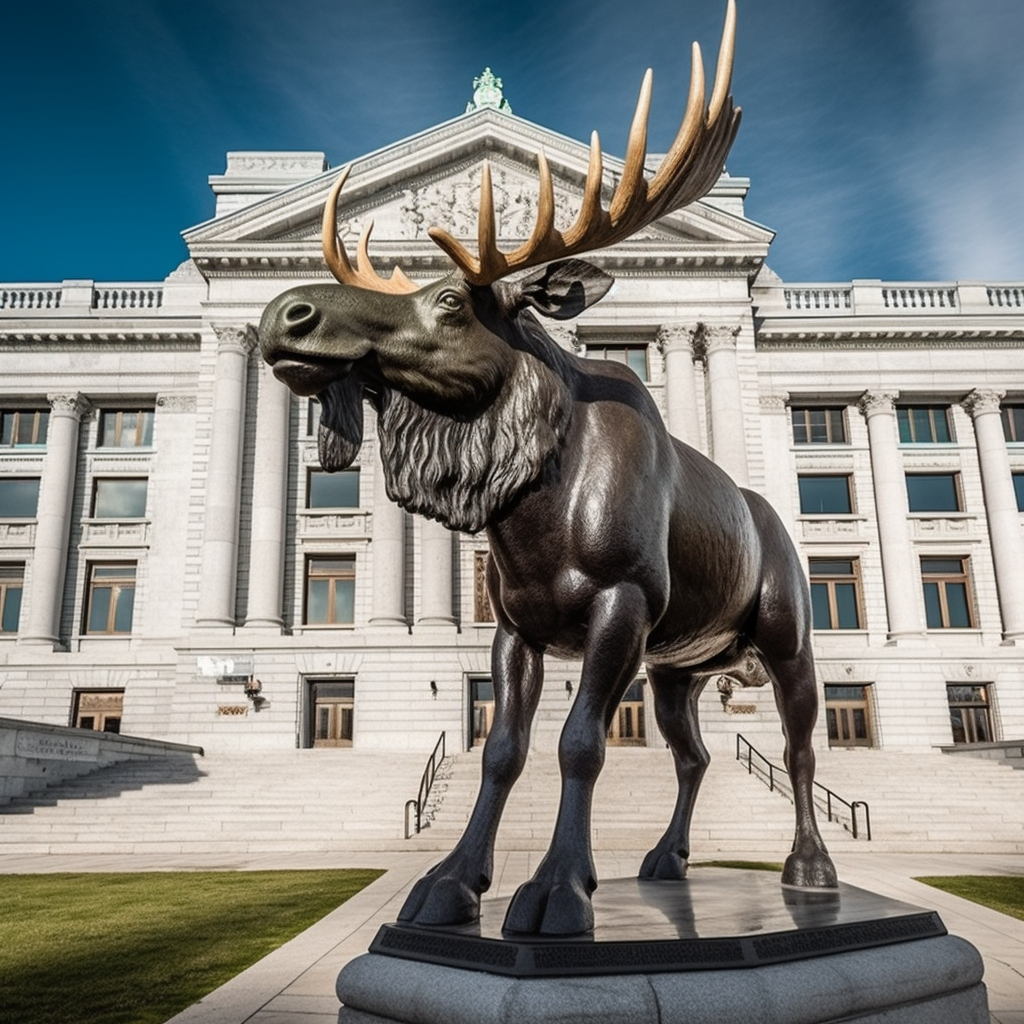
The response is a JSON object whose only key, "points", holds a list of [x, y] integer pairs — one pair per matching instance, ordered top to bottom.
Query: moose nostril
{"points": [[298, 312]]}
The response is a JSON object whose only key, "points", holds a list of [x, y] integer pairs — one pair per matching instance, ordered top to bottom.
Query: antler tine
{"points": [[689, 170], [362, 275]]}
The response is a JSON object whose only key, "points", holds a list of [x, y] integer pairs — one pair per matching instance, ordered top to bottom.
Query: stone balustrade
{"points": [[872, 297], [78, 298]]}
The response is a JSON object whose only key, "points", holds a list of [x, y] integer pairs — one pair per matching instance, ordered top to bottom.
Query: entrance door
{"points": [[332, 708], [98, 709], [481, 710], [969, 714], [848, 716], [627, 728]]}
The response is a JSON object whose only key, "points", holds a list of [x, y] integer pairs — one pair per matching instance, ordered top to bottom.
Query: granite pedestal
{"points": [[722, 947]]}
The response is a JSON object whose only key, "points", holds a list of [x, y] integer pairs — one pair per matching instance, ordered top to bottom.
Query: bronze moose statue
{"points": [[610, 540]]}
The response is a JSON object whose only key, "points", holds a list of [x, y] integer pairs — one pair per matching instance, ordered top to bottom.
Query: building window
{"points": [[634, 356], [312, 417], [1013, 422], [924, 424], [819, 426], [22, 427], [126, 428], [332, 490], [1018, 490], [934, 492], [821, 495], [19, 497], [119, 498], [12, 582], [330, 590], [835, 593], [947, 596], [110, 600], [482, 611], [100, 710], [969, 714], [848, 716]]}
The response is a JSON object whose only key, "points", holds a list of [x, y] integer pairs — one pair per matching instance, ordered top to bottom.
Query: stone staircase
{"points": [[309, 801]]}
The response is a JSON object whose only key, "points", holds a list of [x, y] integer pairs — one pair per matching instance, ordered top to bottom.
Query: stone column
{"points": [[676, 344], [728, 437], [778, 470], [224, 478], [269, 500], [1000, 509], [53, 521], [436, 573], [901, 573], [387, 605]]}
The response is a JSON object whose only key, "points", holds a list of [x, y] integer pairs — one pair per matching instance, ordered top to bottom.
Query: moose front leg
{"points": [[449, 893], [556, 901]]}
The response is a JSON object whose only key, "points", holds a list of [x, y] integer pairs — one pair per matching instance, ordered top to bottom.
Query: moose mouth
{"points": [[309, 375]]}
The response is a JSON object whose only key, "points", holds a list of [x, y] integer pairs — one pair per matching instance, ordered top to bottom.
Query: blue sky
{"points": [[884, 138]]}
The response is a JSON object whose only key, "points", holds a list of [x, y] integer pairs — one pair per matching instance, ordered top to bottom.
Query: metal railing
{"points": [[777, 778], [426, 781]]}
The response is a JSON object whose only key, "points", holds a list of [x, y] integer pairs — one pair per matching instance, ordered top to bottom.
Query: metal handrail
{"points": [[426, 781], [830, 796]]}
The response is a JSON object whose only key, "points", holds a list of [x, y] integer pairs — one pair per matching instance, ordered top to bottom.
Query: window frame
{"points": [[599, 350], [834, 413], [906, 413], [1012, 416], [40, 419], [141, 438], [311, 472], [13, 479], [1017, 479], [99, 480], [958, 496], [851, 508], [336, 575], [12, 578], [942, 579], [830, 580], [117, 586]]}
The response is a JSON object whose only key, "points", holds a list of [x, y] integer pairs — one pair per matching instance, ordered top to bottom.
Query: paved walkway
{"points": [[295, 984]]}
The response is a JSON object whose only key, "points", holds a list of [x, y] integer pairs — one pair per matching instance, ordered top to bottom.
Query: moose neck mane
{"points": [[466, 472]]}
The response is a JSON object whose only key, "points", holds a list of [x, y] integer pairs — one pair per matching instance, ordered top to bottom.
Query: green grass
{"points": [[1004, 893], [139, 948]]}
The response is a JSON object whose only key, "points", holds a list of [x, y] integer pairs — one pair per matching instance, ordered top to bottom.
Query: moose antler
{"points": [[689, 170], [362, 274]]}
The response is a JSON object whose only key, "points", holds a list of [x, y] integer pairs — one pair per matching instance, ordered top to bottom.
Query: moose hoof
{"points": [[661, 864], [815, 871], [437, 901], [563, 909]]}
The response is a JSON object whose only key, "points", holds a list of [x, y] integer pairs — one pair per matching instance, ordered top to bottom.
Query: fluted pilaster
{"points": [[728, 436]]}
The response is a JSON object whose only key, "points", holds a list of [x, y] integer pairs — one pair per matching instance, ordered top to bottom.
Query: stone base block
{"points": [[723, 947]]}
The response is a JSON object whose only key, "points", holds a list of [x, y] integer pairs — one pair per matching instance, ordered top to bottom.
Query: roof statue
{"points": [[487, 93]]}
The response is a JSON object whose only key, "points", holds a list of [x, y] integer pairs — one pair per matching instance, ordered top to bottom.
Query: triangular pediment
{"points": [[433, 179]]}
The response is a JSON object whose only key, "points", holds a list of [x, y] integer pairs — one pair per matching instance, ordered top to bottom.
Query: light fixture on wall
{"points": [[433, 689], [568, 689], [253, 690]]}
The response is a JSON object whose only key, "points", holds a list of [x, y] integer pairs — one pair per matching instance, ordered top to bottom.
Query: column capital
{"points": [[234, 337], [674, 337], [712, 338], [774, 401], [981, 401], [873, 402], [74, 404]]}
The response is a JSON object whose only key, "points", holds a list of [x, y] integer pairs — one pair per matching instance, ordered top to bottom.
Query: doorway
{"points": [[481, 709], [99, 710], [331, 712], [970, 714], [848, 716], [628, 728]]}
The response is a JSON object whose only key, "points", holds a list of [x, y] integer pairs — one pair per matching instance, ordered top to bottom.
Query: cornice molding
{"points": [[71, 340]]}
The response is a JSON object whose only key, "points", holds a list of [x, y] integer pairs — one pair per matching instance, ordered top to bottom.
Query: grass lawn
{"points": [[1004, 893], [139, 948]]}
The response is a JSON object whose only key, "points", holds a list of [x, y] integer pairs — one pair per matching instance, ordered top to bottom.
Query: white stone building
{"points": [[168, 546]]}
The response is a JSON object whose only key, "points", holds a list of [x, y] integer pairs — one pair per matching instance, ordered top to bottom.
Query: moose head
{"points": [[462, 349]]}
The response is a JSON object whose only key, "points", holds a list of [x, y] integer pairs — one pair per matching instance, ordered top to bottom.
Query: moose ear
{"points": [[562, 290]]}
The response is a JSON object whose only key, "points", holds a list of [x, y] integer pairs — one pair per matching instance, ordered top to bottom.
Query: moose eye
{"points": [[450, 300]]}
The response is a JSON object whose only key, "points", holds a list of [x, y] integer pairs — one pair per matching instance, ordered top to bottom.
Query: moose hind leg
{"points": [[676, 694]]}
